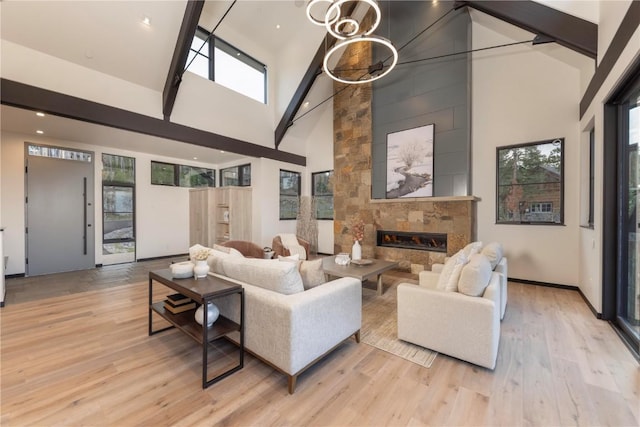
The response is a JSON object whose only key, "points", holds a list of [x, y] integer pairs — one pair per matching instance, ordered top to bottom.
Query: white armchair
{"points": [[462, 326]]}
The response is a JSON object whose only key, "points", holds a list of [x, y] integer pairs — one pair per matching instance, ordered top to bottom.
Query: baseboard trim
{"points": [[162, 257], [14, 276], [547, 284], [556, 285]]}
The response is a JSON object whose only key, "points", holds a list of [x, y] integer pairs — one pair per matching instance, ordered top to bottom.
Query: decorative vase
{"points": [[356, 251], [201, 269], [212, 314]]}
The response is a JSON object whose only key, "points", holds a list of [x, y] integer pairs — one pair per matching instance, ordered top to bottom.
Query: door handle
{"points": [[84, 213]]}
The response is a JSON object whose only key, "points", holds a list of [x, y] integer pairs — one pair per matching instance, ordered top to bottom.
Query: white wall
{"points": [[27, 66], [520, 95], [320, 158], [162, 213], [590, 241]]}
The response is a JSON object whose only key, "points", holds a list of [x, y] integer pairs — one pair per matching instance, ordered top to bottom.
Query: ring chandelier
{"points": [[348, 30]]}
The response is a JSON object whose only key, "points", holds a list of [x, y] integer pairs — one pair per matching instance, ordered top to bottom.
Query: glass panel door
{"points": [[118, 209], [628, 301]]}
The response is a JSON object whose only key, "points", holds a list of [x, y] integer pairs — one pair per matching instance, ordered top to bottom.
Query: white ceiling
{"points": [[110, 37]]}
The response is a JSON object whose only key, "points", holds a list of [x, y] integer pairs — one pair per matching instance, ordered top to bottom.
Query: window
{"points": [[214, 59], [58, 153], [236, 175], [181, 176], [530, 183], [322, 192], [289, 194], [118, 202]]}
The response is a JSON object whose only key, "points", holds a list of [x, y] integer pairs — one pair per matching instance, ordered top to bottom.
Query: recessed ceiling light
{"points": [[146, 21], [277, 26], [305, 105], [39, 114], [39, 132], [222, 151], [195, 158]]}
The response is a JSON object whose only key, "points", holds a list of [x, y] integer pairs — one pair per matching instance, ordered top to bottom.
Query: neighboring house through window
{"points": [[530, 183]]}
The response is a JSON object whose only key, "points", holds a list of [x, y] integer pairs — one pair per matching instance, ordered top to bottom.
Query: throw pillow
{"points": [[472, 248], [493, 251], [290, 258], [312, 273], [475, 276], [448, 279]]}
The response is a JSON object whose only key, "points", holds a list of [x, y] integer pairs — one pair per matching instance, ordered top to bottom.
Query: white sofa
{"points": [[495, 253], [453, 323], [286, 326]]}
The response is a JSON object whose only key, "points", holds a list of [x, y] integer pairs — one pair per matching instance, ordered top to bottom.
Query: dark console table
{"points": [[202, 291]]}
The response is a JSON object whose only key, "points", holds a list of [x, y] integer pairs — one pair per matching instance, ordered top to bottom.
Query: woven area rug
{"points": [[379, 324]]}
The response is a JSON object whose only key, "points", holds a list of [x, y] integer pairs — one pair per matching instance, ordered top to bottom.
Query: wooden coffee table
{"points": [[361, 272]]}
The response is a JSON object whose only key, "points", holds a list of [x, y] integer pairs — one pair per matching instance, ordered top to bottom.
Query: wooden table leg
{"points": [[379, 284]]}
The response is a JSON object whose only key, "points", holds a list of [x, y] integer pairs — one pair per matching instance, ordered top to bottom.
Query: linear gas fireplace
{"points": [[436, 242]]}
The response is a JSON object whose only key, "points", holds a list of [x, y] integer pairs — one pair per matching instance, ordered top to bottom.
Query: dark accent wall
{"points": [[436, 91]]}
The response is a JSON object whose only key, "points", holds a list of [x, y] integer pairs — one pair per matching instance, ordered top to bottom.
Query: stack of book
{"points": [[177, 303]]}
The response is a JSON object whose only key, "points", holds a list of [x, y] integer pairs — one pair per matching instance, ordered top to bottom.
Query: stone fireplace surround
{"points": [[454, 216]]}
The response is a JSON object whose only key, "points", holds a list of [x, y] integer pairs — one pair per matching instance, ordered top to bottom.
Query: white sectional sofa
{"points": [[287, 326]]}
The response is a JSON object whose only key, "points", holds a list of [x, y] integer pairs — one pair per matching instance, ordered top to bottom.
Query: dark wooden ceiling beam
{"points": [[567, 30], [180, 54], [313, 71], [34, 98]]}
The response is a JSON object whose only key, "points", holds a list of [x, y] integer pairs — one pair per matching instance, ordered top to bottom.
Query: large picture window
{"points": [[214, 59], [530, 183], [322, 192], [289, 194]]}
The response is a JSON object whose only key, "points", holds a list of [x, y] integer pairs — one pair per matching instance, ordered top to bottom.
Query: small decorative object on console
{"points": [[343, 258], [201, 269], [181, 270], [212, 314]]}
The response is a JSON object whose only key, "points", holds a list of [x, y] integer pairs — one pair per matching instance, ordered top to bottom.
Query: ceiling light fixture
{"points": [[313, 5], [146, 21], [334, 24], [348, 30], [373, 73], [40, 114], [39, 132]]}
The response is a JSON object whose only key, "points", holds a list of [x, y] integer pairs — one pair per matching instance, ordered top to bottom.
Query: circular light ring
{"points": [[335, 9], [315, 20], [347, 21], [363, 38]]}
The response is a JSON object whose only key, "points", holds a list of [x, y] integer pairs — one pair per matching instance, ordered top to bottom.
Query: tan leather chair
{"points": [[248, 249], [279, 249]]}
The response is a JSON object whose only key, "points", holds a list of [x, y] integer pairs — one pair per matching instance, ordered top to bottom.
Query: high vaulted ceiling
{"points": [[110, 37]]}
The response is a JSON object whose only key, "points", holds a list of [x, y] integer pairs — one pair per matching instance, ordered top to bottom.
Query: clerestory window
{"points": [[214, 59]]}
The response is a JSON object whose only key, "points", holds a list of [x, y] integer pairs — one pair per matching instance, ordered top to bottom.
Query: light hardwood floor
{"points": [[75, 351]]}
